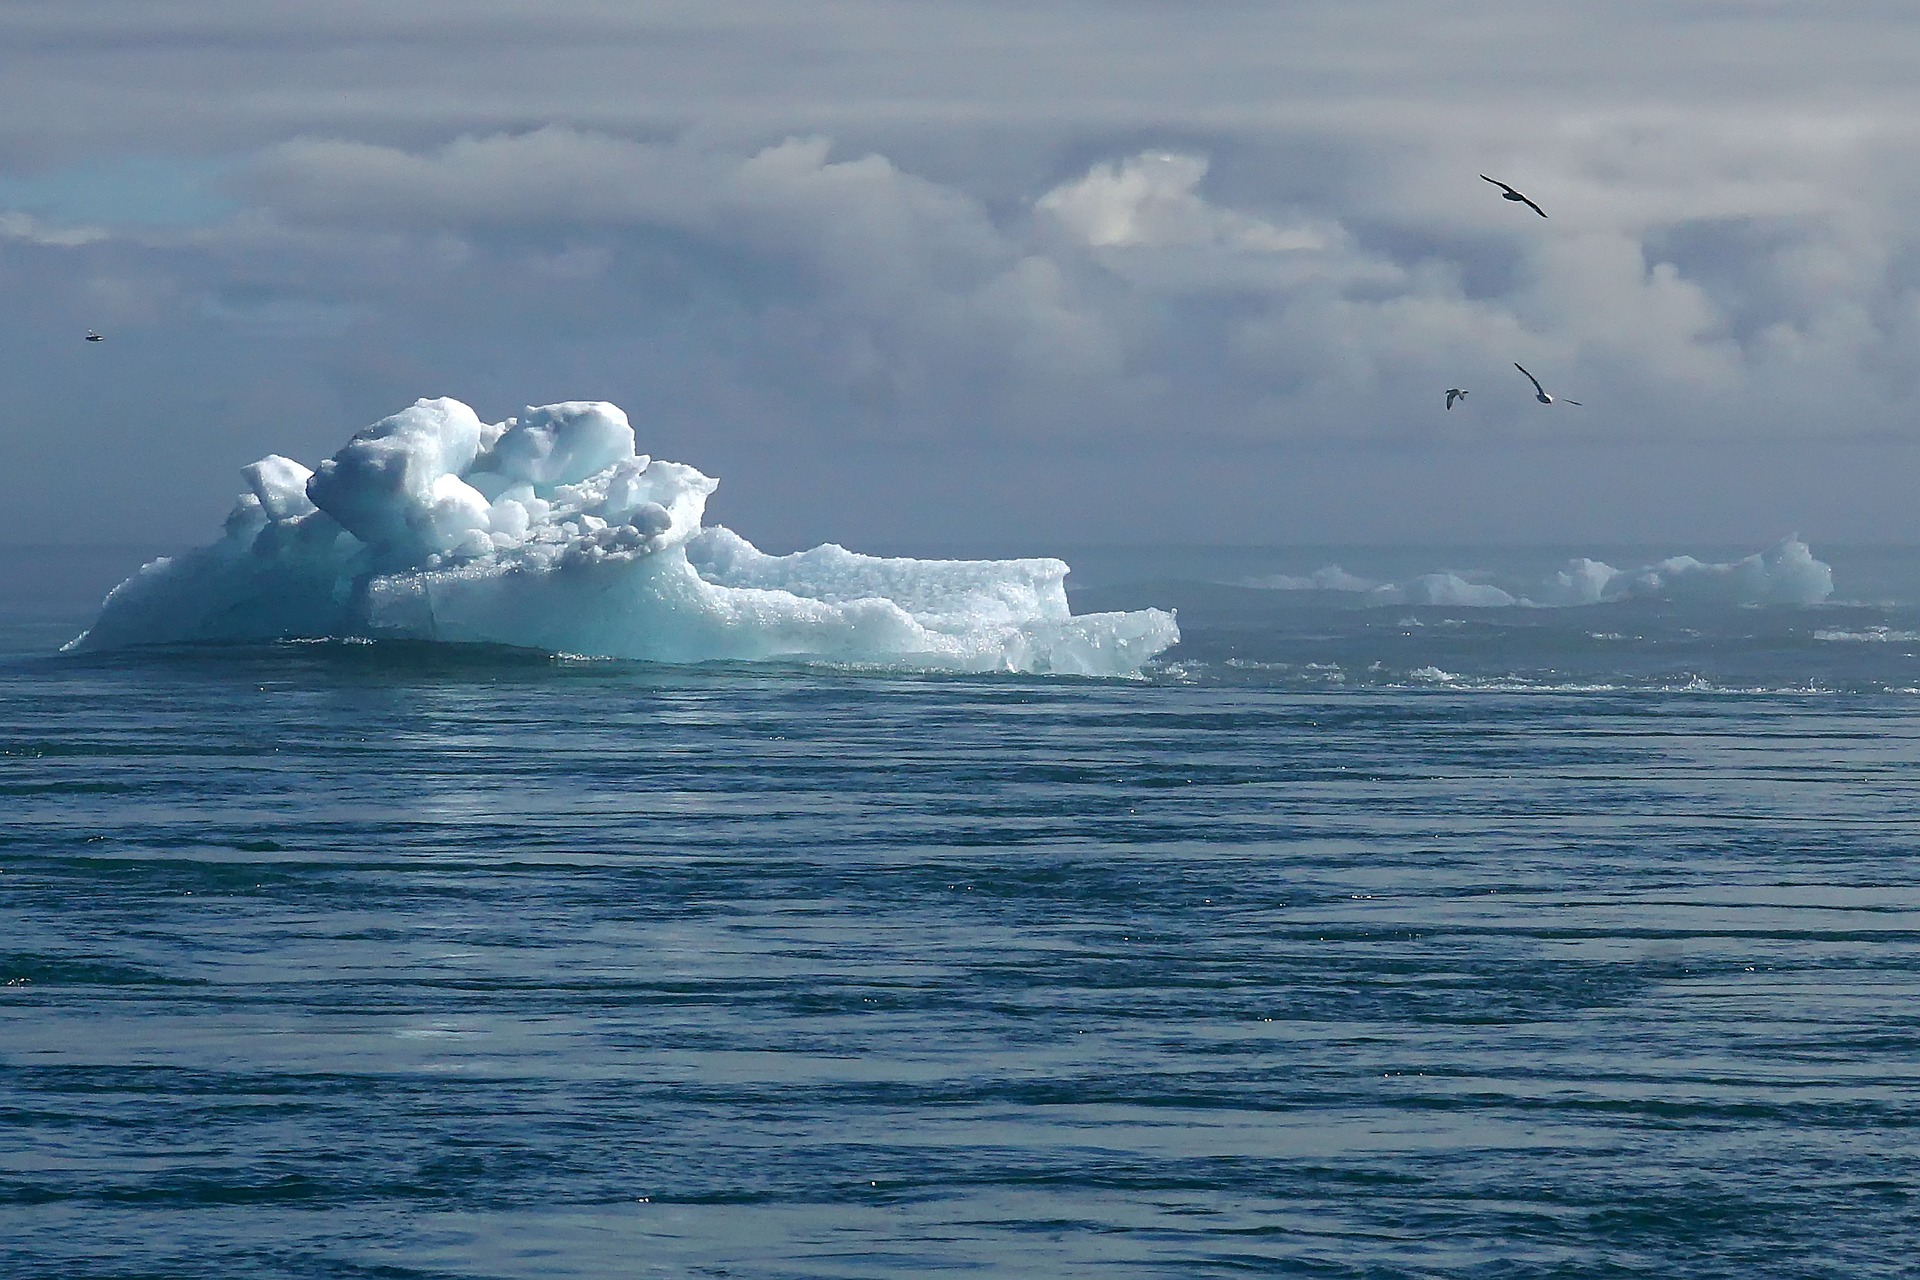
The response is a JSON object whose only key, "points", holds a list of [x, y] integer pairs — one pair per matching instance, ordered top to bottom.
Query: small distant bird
{"points": [[1508, 193], [94, 337], [1540, 392], [1454, 393]]}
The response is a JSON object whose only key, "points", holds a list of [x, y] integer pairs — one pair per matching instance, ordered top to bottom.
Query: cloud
{"points": [[541, 178], [1151, 201], [972, 229], [30, 230], [817, 278], [843, 294]]}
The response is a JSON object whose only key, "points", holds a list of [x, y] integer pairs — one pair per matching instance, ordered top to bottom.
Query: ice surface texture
{"points": [[549, 532]]}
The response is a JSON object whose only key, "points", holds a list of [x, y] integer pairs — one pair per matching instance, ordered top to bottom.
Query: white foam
{"points": [[549, 532], [1872, 635]]}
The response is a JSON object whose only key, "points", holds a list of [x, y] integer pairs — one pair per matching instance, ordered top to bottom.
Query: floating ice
{"points": [[549, 532], [1785, 573], [1429, 588]]}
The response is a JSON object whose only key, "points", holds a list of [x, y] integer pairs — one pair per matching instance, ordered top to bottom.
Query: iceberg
{"points": [[550, 532], [1784, 574]]}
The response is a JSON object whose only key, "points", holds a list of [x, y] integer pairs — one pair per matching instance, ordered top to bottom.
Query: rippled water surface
{"points": [[1378, 942]]}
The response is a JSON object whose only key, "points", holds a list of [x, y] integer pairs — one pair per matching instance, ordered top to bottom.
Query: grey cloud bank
{"points": [[909, 272]]}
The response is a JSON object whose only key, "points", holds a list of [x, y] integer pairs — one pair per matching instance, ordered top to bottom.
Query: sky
{"points": [[910, 274]]}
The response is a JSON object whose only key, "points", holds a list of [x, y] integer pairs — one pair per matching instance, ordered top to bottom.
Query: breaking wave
{"points": [[549, 532]]}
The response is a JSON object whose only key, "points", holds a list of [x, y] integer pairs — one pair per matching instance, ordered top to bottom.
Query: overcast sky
{"points": [[1018, 276]]}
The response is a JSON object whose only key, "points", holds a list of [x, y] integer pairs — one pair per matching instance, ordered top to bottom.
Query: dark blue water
{"points": [[1351, 941]]}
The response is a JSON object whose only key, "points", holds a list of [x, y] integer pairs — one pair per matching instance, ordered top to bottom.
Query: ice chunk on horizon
{"points": [[549, 532], [1785, 573], [1455, 590]]}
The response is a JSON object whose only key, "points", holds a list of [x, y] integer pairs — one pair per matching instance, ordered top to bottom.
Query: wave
{"points": [[549, 532], [1785, 573], [1872, 635], [1429, 678]]}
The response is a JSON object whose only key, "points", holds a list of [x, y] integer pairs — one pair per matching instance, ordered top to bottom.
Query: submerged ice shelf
{"points": [[549, 532]]}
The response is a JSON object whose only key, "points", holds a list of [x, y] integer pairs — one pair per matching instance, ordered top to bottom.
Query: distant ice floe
{"points": [[549, 532], [1785, 573]]}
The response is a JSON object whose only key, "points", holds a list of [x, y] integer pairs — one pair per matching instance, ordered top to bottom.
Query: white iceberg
{"points": [[549, 532], [1784, 574]]}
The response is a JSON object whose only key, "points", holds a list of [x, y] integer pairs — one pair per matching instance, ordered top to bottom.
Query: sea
{"points": [[1355, 937]]}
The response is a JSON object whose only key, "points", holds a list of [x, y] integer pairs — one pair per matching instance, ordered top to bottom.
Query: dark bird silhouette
{"points": [[1508, 193], [94, 337], [1540, 392], [1454, 393]]}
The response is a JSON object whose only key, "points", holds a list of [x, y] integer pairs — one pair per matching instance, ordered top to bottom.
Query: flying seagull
{"points": [[1508, 193], [94, 337], [1540, 392], [1454, 393]]}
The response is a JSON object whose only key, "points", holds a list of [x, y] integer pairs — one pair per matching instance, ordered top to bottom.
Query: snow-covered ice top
{"points": [[548, 531]]}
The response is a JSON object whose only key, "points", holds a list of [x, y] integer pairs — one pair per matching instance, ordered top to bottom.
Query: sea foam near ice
{"points": [[548, 531]]}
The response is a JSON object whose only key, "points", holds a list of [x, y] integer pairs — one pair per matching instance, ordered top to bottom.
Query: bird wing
{"points": [[1516, 195], [1530, 378], [1451, 397], [1569, 402]]}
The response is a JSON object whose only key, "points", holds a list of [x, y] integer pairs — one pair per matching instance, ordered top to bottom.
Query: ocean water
{"points": [[1353, 939]]}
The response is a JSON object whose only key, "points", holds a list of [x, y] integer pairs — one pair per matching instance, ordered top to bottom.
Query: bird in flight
{"points": [[1508, 193], [94, 337], [1540, 392], [1454, 393]]}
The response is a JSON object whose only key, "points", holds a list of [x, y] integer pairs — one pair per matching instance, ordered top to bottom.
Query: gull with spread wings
{"points": [[1508, 193], [1540, 392]]}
